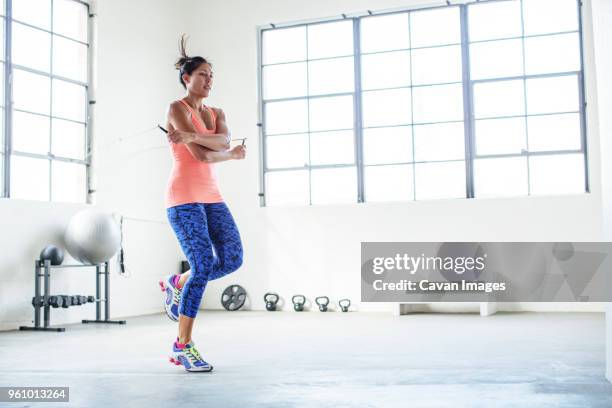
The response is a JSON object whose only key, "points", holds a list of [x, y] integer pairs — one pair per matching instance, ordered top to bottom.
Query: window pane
{"points": [[34, 12], [550, 16], [70, 19], [488, 21], [435, 27], [384, 33], [27, 39], [330, 39], [284, 45], [551, 54], [69, 59], [496, 59], [436, 65], [386, 70], [331, 76], [284, 80], [26, 84], [551, 95], [503, 98], [69, 100], [437, 103], [384, 108], [333, 113], [286, 117], [554, 132], [30, 133], [500, 136], [68, 139], [439, 142], [387, 145], [332, 148], [287, 151], [558, 174], [500, 177], [29, 178], [440, 180], [68, 182], [388, 183], [334, 186], [287, 188]]}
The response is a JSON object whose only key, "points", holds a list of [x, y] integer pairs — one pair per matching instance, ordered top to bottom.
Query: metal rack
{"points": [[45, 267]]}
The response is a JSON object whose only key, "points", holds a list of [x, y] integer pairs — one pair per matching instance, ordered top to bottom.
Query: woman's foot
{"points": [[172, 296], [189, 357]]}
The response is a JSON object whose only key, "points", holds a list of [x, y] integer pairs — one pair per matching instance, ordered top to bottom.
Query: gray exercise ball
{"points": [[92, 236]]}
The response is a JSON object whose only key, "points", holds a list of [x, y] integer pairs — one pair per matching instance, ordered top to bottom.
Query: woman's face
{"points": [[200, 81]]}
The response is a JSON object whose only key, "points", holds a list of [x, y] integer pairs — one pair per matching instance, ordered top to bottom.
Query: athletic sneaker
{"points": [[172, 297], [189, 357]]}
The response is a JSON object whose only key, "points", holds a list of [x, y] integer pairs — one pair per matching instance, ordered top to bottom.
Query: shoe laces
{"points": [[176, 294], [193, 353]]}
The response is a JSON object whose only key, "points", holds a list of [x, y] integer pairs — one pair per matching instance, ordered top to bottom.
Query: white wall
{"points": [[316, 250]]}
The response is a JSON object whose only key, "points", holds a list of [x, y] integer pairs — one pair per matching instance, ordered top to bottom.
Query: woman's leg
{"points": [[190, 224], [226, 240]]}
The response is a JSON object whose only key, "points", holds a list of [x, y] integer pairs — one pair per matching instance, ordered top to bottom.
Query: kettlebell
{"points": [[271, 300], [298, 302], [323, 302], [344, 304]]}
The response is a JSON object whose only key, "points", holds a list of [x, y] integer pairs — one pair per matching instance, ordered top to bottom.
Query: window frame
{"points": [[468, 98], [9, 109]]}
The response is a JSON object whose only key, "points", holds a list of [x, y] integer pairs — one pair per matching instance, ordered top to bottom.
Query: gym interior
{"points": [[387, 121]]}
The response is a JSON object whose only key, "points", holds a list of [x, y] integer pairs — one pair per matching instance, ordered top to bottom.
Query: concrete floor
{"points": [[288, 359]]}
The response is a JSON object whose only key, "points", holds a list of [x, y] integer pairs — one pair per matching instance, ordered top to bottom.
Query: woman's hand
{"points": [[179, 136], [238, 152]]}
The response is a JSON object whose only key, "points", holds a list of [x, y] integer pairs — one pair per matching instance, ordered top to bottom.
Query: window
{"points": [[464, 101], [46, 111]]}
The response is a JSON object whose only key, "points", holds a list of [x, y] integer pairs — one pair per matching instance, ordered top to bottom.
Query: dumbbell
{"points": [[38, 301], [53, 301], [67, 301]]}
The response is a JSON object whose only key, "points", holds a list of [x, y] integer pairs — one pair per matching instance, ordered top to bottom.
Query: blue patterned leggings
{"points": [[201, 228]]}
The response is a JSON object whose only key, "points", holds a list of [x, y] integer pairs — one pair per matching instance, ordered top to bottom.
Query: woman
{"points": [[198, 137]]}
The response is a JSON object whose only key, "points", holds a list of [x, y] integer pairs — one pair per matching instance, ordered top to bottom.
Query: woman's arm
{"points": [[184, 132], [237, 153]]}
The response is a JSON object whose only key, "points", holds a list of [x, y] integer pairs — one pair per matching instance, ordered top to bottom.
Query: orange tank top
{"points": [[192, 181]]}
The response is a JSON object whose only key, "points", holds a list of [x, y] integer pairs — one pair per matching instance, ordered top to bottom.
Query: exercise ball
{"points": [[92, 236], [52, 253]]}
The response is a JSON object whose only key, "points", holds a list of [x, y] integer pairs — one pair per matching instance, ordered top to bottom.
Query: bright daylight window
{"points": [[45, 69], [464, 101]]}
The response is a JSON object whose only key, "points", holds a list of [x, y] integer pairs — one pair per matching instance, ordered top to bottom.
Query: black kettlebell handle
{"points": [[270, 294], [298, 303], [321, 303], [346, 305]]}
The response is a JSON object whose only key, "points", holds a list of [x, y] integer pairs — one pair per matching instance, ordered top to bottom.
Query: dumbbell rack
{"points": [[45, 266]]}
